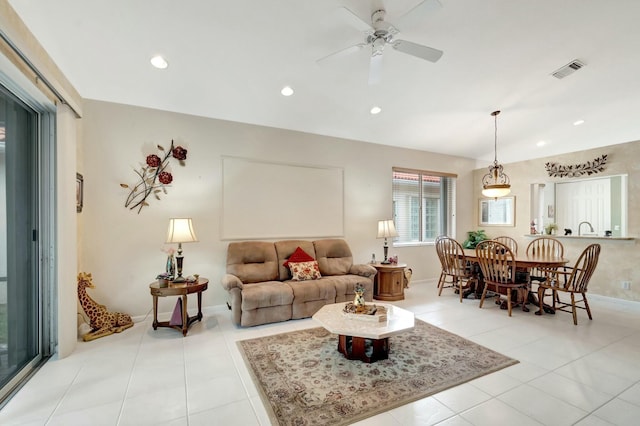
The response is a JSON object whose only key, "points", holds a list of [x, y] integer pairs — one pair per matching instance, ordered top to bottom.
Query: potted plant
{"points": [[550, 228], [473, 238]]}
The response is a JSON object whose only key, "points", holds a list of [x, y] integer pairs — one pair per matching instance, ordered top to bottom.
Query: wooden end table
{"points": [[388, 284], [178, 289]]}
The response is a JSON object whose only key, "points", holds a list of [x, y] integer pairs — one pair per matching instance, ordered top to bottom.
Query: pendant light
{"points": [[495, 183]]}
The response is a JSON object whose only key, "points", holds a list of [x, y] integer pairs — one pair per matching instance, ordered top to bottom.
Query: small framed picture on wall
{"points": [[79, 192]]}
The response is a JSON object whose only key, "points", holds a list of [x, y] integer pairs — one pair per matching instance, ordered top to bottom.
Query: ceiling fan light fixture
{"points": [[159, 62], [496, 183]]}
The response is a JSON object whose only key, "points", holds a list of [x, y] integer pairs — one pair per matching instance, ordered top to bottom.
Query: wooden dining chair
{"points": [[509, 242], [543, 246], [498, 266], [455, 267], [571, 280]]}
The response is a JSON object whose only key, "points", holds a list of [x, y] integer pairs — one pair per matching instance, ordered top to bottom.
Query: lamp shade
{"points": [[496, 191], [386, 229], [181, 231]]}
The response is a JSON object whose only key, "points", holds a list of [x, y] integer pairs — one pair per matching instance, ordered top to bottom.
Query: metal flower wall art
{"points": [[588, 168], [154, 176]]}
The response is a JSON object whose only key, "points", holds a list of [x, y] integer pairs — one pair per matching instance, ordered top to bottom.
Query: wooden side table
{"points": [[389, 281], [178, 289]]}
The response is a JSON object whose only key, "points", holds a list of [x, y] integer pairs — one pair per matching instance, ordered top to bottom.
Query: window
{"points": [[423, 205]]}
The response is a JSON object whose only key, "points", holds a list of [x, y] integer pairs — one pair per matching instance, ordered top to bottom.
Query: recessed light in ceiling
{"points": [[159, 62], [287, 91], [375, 110], [579, 122], [541, 143]]}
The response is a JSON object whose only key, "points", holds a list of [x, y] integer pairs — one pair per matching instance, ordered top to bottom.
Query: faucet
{"points": [[590, 227]]}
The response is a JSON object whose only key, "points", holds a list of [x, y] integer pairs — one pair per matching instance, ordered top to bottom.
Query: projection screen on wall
{"points": [[267, 200]]}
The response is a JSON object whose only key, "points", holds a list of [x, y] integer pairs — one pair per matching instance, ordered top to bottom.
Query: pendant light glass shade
{"points": [[496, 183]]}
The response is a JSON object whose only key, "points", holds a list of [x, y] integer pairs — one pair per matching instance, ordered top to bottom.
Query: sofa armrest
{"points": [[363, 270], [231, 281]]}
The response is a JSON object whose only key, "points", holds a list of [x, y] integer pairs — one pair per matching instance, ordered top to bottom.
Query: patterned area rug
{"points": [[304, 380]]}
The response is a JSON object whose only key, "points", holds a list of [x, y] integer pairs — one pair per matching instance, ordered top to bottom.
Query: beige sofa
{"points": [[260, 286]]}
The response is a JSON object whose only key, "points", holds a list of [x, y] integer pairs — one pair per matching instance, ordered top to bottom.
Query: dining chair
{"points": [[509, 242], [543, 246], [455, 266], [498, 266], [571, 280]]}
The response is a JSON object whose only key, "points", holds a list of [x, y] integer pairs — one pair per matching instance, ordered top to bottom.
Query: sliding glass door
{"points": [[21, 310]]}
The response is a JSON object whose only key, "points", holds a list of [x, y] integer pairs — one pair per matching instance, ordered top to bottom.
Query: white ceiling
{"points": [[229, 60]]}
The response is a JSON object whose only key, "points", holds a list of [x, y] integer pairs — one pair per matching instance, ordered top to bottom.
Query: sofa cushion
{"points": [[285, 248], [298, 256], [334, 256], [252, 261], [304, 271], [266, 294], [309, 296]]}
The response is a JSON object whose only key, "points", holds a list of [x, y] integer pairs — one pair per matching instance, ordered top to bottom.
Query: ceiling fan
{"points": [[379, 34]]}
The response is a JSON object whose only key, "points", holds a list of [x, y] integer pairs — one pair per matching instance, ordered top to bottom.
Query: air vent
{"points": [[568, 69]]}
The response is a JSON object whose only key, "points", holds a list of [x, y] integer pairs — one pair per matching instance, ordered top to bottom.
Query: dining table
{"points": [[524, 262]]}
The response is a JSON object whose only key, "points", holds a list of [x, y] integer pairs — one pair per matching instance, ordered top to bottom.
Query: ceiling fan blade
{"points": [[353, 20], [418, 50], [341, 53], [375, 69]]}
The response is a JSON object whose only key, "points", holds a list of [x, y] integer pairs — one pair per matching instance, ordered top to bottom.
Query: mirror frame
{"points": [[505, 206]]}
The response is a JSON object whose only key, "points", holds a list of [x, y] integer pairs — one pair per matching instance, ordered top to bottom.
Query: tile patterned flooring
{"points": [[584, 375]]}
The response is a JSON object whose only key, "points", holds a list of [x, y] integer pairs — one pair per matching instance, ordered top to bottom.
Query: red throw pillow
{"points": [[298, 255]]}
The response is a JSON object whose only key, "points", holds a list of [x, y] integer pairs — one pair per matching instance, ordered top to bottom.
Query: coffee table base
{"points": [[353, 347]]}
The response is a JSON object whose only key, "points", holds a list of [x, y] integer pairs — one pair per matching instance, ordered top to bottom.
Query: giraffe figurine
{"points": [[102, 322]]}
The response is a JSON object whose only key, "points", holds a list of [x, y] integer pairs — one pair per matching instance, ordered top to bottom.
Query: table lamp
{"points": [[386, 229], [180, 231]]}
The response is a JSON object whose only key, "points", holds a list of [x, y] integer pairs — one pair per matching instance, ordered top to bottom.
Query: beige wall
{"points": [[123, 248], [618, 259]]}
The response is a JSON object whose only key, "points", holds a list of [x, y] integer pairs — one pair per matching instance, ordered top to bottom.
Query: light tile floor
{"points": [[584, 375]]}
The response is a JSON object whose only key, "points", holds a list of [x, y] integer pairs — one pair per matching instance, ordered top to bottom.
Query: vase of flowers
{"points": [[170, 265]]}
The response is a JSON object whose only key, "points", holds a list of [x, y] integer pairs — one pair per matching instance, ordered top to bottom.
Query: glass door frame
{"points": [[45, 234]]}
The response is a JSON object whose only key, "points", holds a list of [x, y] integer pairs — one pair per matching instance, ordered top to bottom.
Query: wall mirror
{"points": [[601, 202], [497, 212]]}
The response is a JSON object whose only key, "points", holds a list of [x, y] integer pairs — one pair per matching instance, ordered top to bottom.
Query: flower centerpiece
{"points": [[154, 176], [170, 266]]}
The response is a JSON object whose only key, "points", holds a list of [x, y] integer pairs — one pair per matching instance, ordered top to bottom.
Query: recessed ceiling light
{"points": [[159, 62], [287, 91], [375, 110], [577, 123], [541, 143]]}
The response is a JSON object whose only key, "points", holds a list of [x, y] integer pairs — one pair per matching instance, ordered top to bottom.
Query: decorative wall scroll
{"points": [[588, 168]]}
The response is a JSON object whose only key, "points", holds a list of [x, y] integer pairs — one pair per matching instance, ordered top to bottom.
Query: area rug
{"points": [[304, 380]]}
